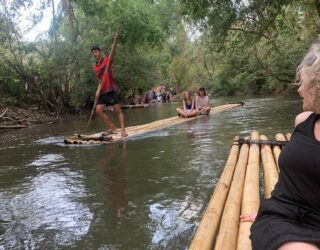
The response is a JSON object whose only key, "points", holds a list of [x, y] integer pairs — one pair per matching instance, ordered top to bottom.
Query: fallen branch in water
{"points": [[8, 118], [12, 126]]}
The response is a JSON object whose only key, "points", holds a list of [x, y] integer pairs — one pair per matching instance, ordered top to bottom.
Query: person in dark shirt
{"points": [[107, 96], [188, 109], [290, 218]]}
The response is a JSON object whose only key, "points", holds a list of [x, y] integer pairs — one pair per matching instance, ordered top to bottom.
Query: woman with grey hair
{"points": [[290, 219]]}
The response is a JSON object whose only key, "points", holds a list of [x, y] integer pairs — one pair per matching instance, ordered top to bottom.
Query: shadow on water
{"points": [[146, 193]]}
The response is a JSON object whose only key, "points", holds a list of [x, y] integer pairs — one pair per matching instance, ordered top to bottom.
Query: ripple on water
{"points": [[153, 134], [50, 140], [47, 160], [48, 210], [170, 219]]}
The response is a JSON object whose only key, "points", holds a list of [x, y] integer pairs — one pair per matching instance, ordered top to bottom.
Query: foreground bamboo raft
{"points": [[141, 129], [237, 192]]}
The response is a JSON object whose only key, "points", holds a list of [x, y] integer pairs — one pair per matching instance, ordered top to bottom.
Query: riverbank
{"points": [[15, 117]]}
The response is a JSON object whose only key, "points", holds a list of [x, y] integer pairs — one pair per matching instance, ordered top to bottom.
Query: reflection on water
{"points": [[116, 181], [146, 193]]}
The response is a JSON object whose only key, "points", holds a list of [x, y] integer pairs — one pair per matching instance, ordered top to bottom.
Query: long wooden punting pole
{"points": [[277, 150], [270, 171], [251, 195], [208, 227], [228, 232]]}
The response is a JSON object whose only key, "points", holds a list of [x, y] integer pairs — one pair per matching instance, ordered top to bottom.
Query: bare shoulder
{"points": [[302, 117]]}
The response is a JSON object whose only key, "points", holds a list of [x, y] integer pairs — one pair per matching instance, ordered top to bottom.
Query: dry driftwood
{"points": [[4, 112], [12, 126]]}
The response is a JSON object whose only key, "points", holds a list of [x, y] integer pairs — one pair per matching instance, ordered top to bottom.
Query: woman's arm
{"points": [[196, 104], [192, 105], [205, 105], [184, 106]]}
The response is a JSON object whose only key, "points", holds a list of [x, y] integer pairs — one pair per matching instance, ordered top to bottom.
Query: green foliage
{"points": [[259, 43], [228, 47], [58, 69]]}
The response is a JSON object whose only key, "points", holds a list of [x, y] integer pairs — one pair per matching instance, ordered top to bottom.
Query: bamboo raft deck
{"points": [[134, 106], [141, 129], [237, 192]]}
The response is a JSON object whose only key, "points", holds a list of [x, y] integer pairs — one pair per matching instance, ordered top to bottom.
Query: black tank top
{"points": [[299, 162]]}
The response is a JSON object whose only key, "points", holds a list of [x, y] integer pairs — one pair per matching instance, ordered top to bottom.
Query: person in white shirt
{"points": [[202, 103]]}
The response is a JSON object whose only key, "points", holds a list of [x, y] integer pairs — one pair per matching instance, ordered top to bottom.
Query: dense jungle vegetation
{"points": [[228, 47]]}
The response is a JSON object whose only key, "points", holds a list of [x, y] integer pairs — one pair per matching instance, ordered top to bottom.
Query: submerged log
{"points": [[270, 171], [251, 195], [207, 230], [228, 232]]}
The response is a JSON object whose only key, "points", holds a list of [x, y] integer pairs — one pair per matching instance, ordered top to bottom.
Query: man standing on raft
{"points": [[106, 94]]}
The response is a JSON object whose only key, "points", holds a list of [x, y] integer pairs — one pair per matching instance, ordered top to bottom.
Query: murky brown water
{"points": [[145, 193]]}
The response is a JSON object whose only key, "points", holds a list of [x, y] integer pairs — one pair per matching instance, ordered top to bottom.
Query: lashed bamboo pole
{"points": [[288, 136], [277, 150], [270, 171], [251, 199], [207, 229], [228, 231]]}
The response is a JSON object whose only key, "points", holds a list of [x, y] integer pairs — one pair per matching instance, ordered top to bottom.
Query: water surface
{"points": [[146, 193]]}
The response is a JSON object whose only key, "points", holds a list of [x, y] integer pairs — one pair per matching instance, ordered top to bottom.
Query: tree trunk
{"points": [[317, 3]]}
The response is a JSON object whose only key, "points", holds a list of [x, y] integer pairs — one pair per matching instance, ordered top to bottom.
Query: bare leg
{"points": [[207, 110], [119, 112], [181, 112], [193, 113], [105, 118], [298, 246]]}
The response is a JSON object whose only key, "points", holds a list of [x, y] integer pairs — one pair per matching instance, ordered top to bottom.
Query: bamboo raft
{"points": [[134, 106], [97, 138], [237, 192]]}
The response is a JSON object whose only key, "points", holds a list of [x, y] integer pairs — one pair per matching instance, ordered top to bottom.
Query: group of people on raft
{"points": [[193, 106]]}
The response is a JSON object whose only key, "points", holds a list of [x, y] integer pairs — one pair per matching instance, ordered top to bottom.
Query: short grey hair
{"points": [[310, 66]]}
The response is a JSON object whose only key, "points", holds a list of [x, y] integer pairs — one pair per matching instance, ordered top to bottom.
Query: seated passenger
{"points": [[202, 103], [188, 106]]}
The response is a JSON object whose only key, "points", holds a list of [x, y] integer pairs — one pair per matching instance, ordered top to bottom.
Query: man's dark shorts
{"points": [[109, 98]]}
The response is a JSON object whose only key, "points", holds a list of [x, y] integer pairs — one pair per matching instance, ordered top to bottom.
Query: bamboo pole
{"points": [[288, 136], [277, 150], [270, 171], [251, 195], [207, 229], [228, 231]]}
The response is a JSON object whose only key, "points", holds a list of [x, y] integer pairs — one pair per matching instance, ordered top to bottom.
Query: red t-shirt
{"points": [[108, 83]]}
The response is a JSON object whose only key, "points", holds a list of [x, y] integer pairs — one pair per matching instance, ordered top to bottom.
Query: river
{"points": [[148, 192]]}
